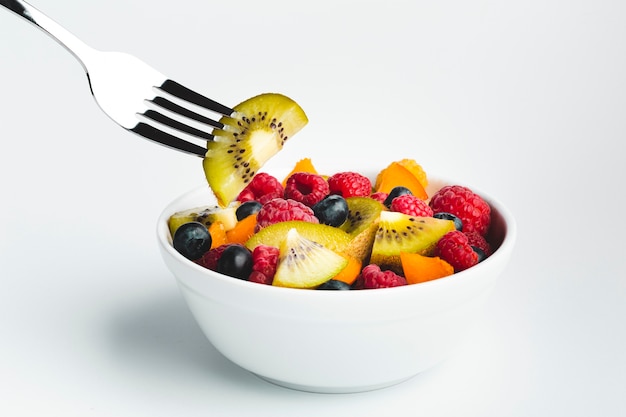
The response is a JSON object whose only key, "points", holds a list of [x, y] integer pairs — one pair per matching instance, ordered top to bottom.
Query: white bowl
{"points": [[336, 341]]}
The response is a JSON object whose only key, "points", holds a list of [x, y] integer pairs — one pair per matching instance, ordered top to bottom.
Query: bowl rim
{"points": [[504, 249]]}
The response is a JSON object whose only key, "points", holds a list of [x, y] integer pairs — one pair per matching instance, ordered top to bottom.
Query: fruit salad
{"points": [[324, 231], [339, 231]]}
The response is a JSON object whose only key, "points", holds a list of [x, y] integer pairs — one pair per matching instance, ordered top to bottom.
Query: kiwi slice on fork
{"points": [[256, 131]]}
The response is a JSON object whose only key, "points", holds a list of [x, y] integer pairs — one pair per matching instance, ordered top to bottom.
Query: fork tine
{"points": [[182, 92], [185, 94], [167, 104], [175, 124], [171, 141]]}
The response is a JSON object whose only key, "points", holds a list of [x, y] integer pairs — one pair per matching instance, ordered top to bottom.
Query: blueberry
{"points": [[395, 192], [247, 208], [332, 210], [458, 223], [192, 240], [481, 253], [236, 261], [334, 285]]}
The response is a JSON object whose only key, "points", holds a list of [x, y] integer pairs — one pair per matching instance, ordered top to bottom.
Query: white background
{"points": [[525, 99]]}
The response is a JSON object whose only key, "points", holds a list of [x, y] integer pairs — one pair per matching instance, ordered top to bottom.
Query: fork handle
{"points": [[70, 42]]}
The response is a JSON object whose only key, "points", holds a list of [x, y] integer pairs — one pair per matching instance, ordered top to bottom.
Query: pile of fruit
{"points": [[341, 231], [337, 232]]}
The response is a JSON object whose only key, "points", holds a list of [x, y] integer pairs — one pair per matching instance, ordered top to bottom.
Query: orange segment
{"points": [[303, 165], [415, 169], [397, 175], [242, 230], [218, 234], [419, 268], [350, 273]]}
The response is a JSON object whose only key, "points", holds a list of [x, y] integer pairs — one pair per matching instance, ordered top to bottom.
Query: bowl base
{"points": [[333, 390]]}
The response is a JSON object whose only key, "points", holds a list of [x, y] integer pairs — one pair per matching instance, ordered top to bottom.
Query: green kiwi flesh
{"points": [[256, 131], [362, 211], [206, 215], [361, 225], [398, 232], [273, 235], [303, 263]]}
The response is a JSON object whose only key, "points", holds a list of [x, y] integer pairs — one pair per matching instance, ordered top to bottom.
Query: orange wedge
{"points": [[303, 165], [397, 175], [242, 230], [218, 234], [419, 268], [350, 273]]}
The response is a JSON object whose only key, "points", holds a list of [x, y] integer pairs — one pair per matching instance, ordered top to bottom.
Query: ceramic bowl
{"points": [[336, 341]]}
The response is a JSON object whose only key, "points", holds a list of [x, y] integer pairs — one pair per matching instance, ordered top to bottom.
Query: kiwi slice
{"points": [[256, 131], [362, 211], [206, 215], [361, 225], [398, 232], [274, 234], [360, 246], [303, 263]]}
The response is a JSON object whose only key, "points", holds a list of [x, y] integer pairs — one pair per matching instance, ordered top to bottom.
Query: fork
{"points": [[133, 94]]}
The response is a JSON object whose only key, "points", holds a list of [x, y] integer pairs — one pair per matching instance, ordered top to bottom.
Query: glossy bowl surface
{"points": [[336, 341]]}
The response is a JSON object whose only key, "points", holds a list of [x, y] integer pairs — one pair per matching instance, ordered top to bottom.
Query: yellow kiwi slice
{"points": [[256, 131], [362, 212], [206, 215], [361, 225], [398, 232], [274, 234], [303, 263]]}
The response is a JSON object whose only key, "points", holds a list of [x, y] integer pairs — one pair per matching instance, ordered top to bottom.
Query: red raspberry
{"points": [[350, 184], [263, 188], [309, 189], [379, 196], [411, 205], [281, 210], [473, 211], [478, 240], [455, 249], [209, 259], [264, 261], [260, 278], [373, 278], [358, 282]]}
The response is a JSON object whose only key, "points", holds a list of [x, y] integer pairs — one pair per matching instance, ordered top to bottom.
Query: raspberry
{"points": [[350, 184], [263, 188], [309, 189], [379, 196], [411, 205], [281, 210], [473, 211], [478, 240], [455, 249], [209, 259], [264, 260], [373, 277], [260, 278], [358, 283]]}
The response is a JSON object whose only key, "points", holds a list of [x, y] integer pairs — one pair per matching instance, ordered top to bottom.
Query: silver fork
{"points": [[133, 94]]}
